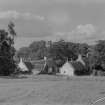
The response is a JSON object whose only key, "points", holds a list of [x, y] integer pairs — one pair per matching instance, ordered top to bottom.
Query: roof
{"points": [[50, 62], [29, 65], [78, 66]]}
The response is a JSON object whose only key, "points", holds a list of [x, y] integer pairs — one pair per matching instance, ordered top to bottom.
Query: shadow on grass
{"points": [[13, 77]]}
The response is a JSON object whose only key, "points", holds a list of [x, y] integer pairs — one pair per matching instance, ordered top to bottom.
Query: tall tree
{"points": [[11, 30], [100, 50], [7, 51]]}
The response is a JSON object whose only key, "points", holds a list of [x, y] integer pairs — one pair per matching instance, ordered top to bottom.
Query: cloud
{"points": [[79, 1], [9, 14], [17, 15], [32, 16], [58, 18], [86, 30], [82, 33], [23, 41]]}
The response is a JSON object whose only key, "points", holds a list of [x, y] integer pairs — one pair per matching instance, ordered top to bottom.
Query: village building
{"points": [[49, 66], [25, 67], [71, 68], [67, 69]]}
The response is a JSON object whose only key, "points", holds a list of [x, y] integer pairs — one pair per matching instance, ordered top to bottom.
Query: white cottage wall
{"points": [[22, 66], [67, 69]]}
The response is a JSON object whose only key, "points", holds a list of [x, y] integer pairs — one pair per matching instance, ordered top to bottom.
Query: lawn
{"points": [[51, 90]]}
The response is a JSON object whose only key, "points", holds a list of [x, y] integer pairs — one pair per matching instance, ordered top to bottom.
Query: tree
{"points": [[11, 30], [36, 45], [83, 48], [38, 49], [58, 50], [64, 50], [73, 50], [7, 51], [24, 52], [100, 52], [96, 57]]}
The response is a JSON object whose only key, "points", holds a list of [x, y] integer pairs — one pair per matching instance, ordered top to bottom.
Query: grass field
{"points": [[51, 90]]}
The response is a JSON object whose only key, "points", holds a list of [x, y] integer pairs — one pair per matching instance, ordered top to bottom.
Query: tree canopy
{"points": [[7, 50]]}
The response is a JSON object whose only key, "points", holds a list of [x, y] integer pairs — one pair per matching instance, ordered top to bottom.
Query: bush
{"points": [[7, 66]]}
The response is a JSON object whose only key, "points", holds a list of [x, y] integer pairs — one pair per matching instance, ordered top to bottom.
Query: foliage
{"points": [[83, 48], [36, 50], [60, 50], [7, 51], [24, 52], [100, 53], [96, 56]]}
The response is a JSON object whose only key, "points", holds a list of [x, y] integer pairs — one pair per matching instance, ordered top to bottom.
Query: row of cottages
{"points": [[69, 68]]}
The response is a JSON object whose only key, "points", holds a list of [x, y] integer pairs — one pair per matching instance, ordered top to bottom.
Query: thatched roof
{"points": [[50, 62], [29, 65], [49, 67], [79, 68]]}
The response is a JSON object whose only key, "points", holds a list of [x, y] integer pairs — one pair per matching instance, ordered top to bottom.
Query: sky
{"points": [[72, 20]]}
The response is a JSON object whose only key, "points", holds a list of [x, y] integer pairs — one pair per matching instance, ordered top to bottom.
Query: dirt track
{"points": [[51, 90]]}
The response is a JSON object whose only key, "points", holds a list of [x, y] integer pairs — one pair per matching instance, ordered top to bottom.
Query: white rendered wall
{"points": [[22, 66], [67, 69]]}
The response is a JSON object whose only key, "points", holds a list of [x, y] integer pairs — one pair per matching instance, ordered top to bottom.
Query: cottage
{"points": [[25, 66], [49, 67], [72, 68], [67, 69]]}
